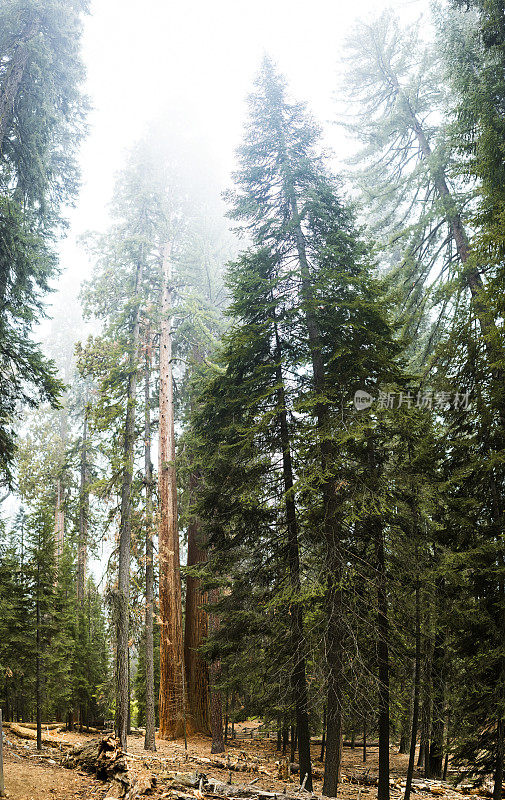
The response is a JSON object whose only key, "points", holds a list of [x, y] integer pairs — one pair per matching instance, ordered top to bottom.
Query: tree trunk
{"points": [[83, 513], [123, 597], [195, 632], [383, 663], [298, 677], [417, 686], [38, 689], [171, 704], [216, 709], [407, 719], [150, 736], [285, 736], [323, 737], [364, 738], [436, 755], [498, 772]]}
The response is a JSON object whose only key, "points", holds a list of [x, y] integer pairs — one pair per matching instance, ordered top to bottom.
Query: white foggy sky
{"points": [[198, 59]]}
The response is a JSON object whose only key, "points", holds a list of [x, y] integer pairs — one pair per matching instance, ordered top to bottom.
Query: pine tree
{"points": [[41, 124]]}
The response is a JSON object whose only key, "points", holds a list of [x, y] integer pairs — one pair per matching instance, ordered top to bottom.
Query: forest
{"points": [[252, 460]]}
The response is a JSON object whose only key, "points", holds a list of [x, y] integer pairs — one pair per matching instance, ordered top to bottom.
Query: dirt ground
{"points": [[30, 777]]}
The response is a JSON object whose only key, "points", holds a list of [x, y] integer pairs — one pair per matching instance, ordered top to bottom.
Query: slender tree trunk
{"points": [[83, 513], [122, 630], [195, 632], [383, 662], [298, 677], [417, 686], [38, 688], [171, 705], [216, 708], [407, 720], [279, 733], [150, 736], [285, 736], [323, 738], [364, 738], [436, 754], [498, 772]]}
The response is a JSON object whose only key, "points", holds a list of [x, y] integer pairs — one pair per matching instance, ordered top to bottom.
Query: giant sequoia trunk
{"points": [[123, 594], [195, 632], [298, 678], [171, 704], [149, 741]]}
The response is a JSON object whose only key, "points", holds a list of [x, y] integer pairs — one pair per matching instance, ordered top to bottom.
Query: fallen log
{"points": [[32, 726], [26, 733], [105, 759], [237, 766]]}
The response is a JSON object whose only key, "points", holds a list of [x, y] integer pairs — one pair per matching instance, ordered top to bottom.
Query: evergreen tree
{"points": [[41, 123]]}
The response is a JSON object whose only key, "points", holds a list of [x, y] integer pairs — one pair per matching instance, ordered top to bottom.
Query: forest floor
{"points": [[33, 776]]}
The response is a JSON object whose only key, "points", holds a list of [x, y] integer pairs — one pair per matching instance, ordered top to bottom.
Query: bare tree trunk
{"points": [[83, 513], [195, 632], [382, 644], [417, 685], [38, 688], [123, 698], [171, 704], [216, 708], [150, 737], [323, 738], [436, 754], [498, 771]]}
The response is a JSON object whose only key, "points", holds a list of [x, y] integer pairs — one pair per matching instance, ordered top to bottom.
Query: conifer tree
{"points": [[41, 124]]}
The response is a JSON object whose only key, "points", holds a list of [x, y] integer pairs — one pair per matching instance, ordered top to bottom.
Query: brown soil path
{"points": [[26, 779]]}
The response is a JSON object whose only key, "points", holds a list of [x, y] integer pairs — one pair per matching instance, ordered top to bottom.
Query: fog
{"points": [[195, 63]]}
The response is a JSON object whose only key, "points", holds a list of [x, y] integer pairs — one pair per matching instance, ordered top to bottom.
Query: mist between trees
{"points": [[345, 564]]}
